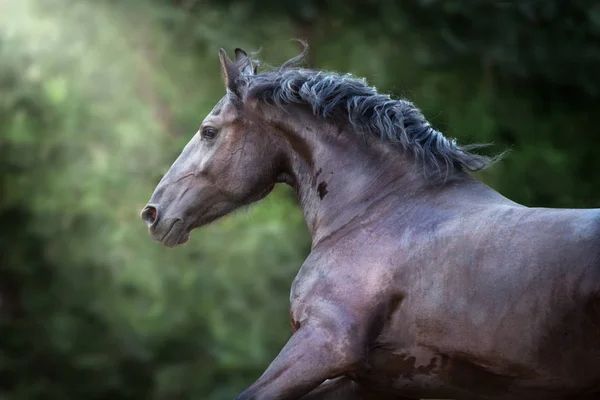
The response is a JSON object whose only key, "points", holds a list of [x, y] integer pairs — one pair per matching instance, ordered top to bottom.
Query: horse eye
{"points": [[209, 132]]}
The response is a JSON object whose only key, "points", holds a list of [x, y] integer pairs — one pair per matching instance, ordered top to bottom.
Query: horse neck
{"points": [[336, 173]]}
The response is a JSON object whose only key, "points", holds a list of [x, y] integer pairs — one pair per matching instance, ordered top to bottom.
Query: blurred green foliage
{"points": [[97, 98]]}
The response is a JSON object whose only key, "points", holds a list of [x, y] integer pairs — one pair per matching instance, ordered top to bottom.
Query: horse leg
{"points": [[316, 351], [334, 389], [346, 389]]}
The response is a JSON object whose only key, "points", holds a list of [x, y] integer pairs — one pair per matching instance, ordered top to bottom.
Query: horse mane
{"points": [[336, 97]]}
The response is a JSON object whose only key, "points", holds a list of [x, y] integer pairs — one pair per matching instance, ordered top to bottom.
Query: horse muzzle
{"points": [[169, 232]]}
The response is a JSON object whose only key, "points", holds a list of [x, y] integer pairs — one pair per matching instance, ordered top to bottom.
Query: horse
{"points": [[422, 281]]}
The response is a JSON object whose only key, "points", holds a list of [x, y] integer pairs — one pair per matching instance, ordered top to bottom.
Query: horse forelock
{"points": [[335, 96]]}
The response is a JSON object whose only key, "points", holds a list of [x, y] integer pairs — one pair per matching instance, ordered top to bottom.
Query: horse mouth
{"points": [[175, 232], [174, 235]]}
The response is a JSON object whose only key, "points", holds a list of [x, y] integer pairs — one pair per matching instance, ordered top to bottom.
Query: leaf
{"points": [[56, 90]]}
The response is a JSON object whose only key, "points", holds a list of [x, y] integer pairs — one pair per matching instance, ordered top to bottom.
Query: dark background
{"points": [[97, 98]]}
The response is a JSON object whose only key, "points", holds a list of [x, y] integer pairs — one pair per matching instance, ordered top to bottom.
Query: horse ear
{"points": [[244, 62], [229, 70]]}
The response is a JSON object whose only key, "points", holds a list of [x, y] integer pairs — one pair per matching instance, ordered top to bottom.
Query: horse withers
{"points": [[422, 282]]}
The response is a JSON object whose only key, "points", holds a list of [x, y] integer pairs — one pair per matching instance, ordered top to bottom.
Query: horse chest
{"points": [[332, 282]]}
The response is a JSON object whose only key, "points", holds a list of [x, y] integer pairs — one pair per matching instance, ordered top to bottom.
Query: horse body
{"points": [[414, 287], [457, 313]]}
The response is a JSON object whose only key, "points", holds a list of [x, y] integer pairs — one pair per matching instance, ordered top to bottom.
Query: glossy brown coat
{"points": [[414, 288]]}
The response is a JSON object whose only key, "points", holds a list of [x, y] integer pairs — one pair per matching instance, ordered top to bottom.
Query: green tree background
{"points": [[97, 98]]}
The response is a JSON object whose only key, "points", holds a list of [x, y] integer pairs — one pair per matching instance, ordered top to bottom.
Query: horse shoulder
{"points": [[337, 284]]}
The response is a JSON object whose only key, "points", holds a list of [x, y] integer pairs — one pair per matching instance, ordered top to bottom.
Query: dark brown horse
{"points": [[422, 281]]}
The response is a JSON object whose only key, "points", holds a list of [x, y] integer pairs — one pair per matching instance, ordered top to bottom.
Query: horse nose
{"points": [[150, 215]]}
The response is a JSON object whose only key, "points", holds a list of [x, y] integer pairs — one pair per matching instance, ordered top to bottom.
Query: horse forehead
{"points": [[218, 108], [225, 108], [223, 113]]}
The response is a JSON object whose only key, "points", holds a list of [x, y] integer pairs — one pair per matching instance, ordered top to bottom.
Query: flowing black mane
{"points": [[334, 96]]}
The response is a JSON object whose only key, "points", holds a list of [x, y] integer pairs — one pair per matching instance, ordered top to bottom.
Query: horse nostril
{"points": [[149, 215]]}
